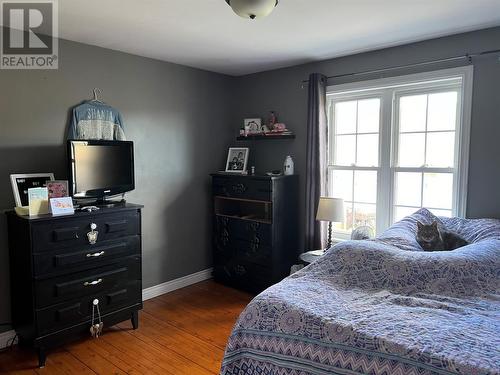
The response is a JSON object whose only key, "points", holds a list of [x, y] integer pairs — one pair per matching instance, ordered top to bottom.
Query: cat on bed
{"points": [[434, 237]]}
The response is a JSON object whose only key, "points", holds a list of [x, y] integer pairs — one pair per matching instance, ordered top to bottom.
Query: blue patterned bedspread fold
{"points": [[380, 307]]}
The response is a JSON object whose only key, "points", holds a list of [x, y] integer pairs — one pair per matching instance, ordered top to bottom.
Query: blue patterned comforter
{"points": [[381, 306]]}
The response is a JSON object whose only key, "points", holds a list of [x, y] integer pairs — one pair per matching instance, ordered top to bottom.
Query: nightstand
{"points": [[311, 256]]}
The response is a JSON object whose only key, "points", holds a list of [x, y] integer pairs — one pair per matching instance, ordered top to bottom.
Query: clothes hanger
{"points": [[97, 92]]}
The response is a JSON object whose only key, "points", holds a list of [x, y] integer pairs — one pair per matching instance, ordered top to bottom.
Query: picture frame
{"points": [[252, 125], [237, 160], [22, 182], [58, 189], [61, 206]]}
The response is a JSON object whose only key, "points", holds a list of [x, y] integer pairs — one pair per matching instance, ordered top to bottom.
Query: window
{"points": [[399, 144]]}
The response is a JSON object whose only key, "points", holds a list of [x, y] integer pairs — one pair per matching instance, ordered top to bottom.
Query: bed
{"points": [[380, 306]]}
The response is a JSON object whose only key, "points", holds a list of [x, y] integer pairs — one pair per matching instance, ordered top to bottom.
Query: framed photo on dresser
{"points": [[237, 159], [22, 182]]}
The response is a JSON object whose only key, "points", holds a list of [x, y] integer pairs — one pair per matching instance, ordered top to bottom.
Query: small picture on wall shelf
{"points": [[252, 125], [237, 159], [22, 182]]}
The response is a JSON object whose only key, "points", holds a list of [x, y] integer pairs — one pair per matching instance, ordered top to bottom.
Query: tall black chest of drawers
{"points": [[255, 230], [57, 271]]}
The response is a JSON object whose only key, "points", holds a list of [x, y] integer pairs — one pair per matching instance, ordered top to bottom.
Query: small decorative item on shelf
{"points": [[272, 120], [252, 125], [279, 127], [254, 129], [237, 159], [288, 166]]}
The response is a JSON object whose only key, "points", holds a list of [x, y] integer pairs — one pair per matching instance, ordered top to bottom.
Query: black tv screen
{"points": [[101, 168]]}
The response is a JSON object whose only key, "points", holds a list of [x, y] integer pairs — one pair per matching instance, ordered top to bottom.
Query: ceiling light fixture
{"points": [[252, 8]]}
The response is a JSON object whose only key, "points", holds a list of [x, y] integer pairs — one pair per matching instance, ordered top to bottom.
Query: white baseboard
{"points": [[172, 285], [148, 293], [6, 338]]}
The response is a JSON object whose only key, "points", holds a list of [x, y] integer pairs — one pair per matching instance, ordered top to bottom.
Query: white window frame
{"points": [[389, 90]]}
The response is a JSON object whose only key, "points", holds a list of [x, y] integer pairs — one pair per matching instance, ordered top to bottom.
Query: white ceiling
{"points": [[206, 33]]}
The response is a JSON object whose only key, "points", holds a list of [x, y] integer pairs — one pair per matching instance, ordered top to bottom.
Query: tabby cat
{"points": [[434, 237]]}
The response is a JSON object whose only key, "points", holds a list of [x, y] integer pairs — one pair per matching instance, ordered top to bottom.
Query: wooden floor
{"points": [[183, 332]]}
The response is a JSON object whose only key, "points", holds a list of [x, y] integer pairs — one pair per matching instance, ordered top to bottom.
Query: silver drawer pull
{"points": [[95, 255], [91, 283]]}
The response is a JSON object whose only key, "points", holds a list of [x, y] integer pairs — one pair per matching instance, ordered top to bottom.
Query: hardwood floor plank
{"points": [[217, 289], [202, 302], [189, 322], [180, 333], [189, 346], [84, 352], [167, 359], [18, 361], [63, 362], [127, 362]]}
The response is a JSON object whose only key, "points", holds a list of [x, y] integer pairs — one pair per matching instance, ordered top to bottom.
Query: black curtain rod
{"points": [[467, 56]]}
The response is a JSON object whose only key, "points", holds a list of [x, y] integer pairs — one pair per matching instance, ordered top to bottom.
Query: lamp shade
{"points": [[252, 8], [331, 209]]}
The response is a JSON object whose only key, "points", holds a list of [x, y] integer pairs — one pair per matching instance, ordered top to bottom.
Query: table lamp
{"points": [[331, 210]]}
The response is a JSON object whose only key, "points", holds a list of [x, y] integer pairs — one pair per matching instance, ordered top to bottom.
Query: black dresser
{"points": [[255, 229], [59, 266]]}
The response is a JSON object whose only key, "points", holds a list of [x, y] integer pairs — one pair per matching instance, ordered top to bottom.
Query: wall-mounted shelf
{"points": [[263, 136]]}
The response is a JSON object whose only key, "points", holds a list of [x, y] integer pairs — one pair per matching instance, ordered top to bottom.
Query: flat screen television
{"points": [[99, 169]]}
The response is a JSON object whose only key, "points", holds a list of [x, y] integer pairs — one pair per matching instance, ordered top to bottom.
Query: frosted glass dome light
{"points": [[252, 8]]}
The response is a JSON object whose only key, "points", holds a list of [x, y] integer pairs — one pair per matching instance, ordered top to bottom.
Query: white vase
{"points": [[288, 166]]}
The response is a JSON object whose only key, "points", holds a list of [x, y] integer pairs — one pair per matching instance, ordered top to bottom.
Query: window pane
{"points": [[442, 111], [412, 113], [368, 115], [345, 117], [345, 149], [440, 149], [367, 150], [411, 150], [341, 185], [365, 186], [408, 189], [438, 190], [402, 212], [445, 213], [365, 214], [347, 225]]}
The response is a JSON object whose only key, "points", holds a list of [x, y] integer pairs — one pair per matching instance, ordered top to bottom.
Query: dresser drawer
{"points": [[234, 187], [246, 230], [73, 232], [247, 251], [67, 260], [247, 275], [86, 283], [76, 311]]}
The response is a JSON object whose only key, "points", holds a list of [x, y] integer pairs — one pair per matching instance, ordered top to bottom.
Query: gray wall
{"points": [[280, 90], [178, 119], [182, 120]]}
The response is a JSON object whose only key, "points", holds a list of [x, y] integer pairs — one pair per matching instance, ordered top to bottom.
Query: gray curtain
{"points": [[316, 158]]}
